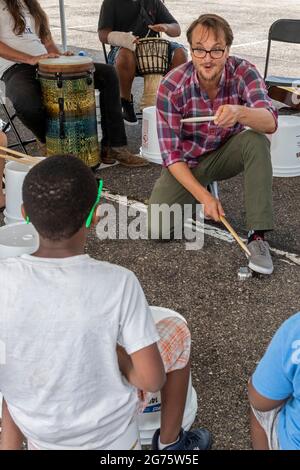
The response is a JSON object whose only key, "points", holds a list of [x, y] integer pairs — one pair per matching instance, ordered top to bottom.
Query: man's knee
{"points": [[179, 57], [126, 60], [256, 140]]}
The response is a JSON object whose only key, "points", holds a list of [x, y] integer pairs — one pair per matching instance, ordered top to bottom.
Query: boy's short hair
{"points": [[212, 22], [58, 195]]}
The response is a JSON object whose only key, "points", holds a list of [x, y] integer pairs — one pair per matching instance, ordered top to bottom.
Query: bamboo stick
{"points": [[235, 235]]}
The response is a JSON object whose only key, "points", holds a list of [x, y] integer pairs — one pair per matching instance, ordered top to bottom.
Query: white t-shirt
{"points": [[27, 42], [60, 320]]}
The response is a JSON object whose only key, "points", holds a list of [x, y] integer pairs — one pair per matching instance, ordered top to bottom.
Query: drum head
{"points": [[66, 64]]}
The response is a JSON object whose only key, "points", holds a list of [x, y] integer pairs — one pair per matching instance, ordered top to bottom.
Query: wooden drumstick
{"points": [[199, 119], [19, 154], [24, 161], [235, 235]]}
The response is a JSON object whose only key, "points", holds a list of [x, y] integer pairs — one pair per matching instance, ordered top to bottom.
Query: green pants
{"points": [[247, 152]]}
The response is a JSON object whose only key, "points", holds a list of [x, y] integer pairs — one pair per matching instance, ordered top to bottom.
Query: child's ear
{"points": [[23, 212], [96, 216]]}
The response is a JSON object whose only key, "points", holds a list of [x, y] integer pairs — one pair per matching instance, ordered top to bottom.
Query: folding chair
{"points": [[282, 31], [9, 124]]}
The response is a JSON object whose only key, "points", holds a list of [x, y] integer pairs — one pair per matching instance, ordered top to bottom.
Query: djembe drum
{"points": [[152, 57], [69, 98]]}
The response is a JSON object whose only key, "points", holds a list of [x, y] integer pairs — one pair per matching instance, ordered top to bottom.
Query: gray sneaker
{"points": [[260, 259]]}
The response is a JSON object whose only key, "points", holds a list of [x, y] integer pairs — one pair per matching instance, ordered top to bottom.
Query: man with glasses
{"points": [[231, 92]]}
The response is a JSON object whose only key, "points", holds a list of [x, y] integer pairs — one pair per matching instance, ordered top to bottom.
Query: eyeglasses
{"points": [[200, 53], [90, 216]]}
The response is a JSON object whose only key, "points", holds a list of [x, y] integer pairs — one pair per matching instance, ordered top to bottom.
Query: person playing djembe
{"points": [[121, 23], [25, 39]]}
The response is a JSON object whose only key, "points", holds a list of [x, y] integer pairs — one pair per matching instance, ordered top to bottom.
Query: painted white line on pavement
{"points": [[249, 43], [208, 229]]}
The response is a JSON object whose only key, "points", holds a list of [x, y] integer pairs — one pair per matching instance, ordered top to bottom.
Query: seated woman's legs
{"points": [[24, 90], [114, 138]]}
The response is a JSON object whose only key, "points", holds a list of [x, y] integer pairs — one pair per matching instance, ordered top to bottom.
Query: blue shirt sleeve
{"points": [[275, 374]]}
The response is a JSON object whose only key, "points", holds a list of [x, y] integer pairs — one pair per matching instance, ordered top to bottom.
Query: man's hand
{"points": [[159, 28], [34, 60], [227, 115], [212, 207]]}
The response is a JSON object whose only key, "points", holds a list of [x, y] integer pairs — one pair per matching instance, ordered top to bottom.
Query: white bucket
{"points": [[150, 146], [285, 147], [14, 177], [8, 220], [18, 239], [149, 420]]}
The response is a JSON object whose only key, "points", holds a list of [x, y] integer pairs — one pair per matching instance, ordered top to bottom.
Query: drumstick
{"points": [[198, 119], [18, 154], [24, 161], [235, 235]]}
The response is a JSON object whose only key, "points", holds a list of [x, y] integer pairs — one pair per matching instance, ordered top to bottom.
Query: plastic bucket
{"points": [[150, 146], [285, 147], [14, 177], [8, 220], [18, 239], [149, 420]]}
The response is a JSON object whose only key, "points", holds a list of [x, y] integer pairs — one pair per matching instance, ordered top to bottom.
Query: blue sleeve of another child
{"points": [[275, 374]]}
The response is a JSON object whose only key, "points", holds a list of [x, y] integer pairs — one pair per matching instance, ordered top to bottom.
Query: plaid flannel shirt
{"points": [[179, 96]]}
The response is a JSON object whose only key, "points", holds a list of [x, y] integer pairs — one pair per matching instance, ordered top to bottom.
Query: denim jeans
{"points": [[114, 51], [24, 91]]}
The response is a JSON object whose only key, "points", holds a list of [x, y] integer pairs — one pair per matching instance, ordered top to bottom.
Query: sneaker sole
{"points": [[129, 123], [108, 162], [134, 165], [259, 269]]}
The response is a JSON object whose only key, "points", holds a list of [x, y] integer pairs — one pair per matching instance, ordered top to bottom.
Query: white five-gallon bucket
{"points": [[150, 146], [285, 147], [14, 177], [18, 239], [149, 420]]}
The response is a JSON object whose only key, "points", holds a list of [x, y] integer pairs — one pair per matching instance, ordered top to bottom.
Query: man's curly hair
{"points": [[58, 194]]}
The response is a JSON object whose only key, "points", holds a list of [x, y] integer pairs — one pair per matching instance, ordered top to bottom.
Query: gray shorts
{"points": [[114, 51], [269, 422]]}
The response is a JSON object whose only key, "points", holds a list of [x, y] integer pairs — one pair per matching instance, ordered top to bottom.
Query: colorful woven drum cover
{"points": [[69, 99]]}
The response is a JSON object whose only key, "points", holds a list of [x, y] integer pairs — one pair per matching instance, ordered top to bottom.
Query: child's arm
{"points": [[144, 369], [261, 403], [11, 436]]}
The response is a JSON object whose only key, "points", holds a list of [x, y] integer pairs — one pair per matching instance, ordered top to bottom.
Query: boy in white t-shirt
{"points": [[78, 333]]}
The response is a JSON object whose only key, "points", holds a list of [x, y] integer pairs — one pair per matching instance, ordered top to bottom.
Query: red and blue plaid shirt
{"points": [[179, 96]]}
